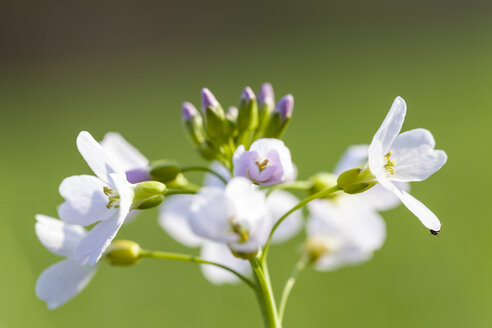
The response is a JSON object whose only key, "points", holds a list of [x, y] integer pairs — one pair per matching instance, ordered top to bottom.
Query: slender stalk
{"points": [[203, 169], [295, 185], [179, 191], [304, 202], [193, 259], [288, 286], [266, 294]]}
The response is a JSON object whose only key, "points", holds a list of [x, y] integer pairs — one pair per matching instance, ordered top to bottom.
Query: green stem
{"points": [[203, 169], [295, 185], [179, 191], [304, 202], [193, 259], [288, 286], [266, 294]]}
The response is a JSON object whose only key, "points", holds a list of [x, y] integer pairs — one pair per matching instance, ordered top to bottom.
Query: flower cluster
{"points": [[244, 203]]}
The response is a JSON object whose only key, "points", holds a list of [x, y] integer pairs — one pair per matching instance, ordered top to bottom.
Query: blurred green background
{"points": [[127, 66]]}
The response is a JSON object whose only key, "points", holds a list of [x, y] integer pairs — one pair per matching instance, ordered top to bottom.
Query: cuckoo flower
{"points": [[405, 157], [267, 162], [135, 165], [106, 198], [236, 216], [342, 234], [65, 279]]}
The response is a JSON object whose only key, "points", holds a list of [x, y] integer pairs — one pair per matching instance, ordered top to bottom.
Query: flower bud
{"points": [[209, 100], [266, 103], [280, 118], [247, 120], [193, 123], [165, 170], [138, 175], [356, 180], [322, 181], [148, 194], [123, 252]]}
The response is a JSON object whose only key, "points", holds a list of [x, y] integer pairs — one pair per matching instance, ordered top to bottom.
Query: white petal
{"points": [[391, 125], [265, 145], [128, 156], [353, 157], [415, 157], [99, 160], [212, 180], [379, 198], [85, 201], [280, 202], [425, 215], [174, 219], [58, 237], [91, 248], [221, 254], [62, 281]]}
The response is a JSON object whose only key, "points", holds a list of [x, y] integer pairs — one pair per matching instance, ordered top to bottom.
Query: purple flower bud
{"points": [[248, 94], [266, 95], [208, 100], [285, 107], [188, 111], [267, 162], [138, 175]]}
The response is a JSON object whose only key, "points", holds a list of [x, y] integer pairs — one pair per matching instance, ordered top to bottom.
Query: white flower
{"points": [[405, 157], [267, 162], [378, 197], [106, 199], [236, 216], [343, 233], [220, 253], [65, 279]]}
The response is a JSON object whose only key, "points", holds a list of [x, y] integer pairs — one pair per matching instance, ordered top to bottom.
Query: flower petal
{"points": [[391, 125], [127, 155], [353, 157], [415, 157], [98, 159], [212, 180], [379, 198], [85, 201], [278, 203], [425, 215], [174, 219], [58, 237], [91, 248], [221, 254], [62, 281]]}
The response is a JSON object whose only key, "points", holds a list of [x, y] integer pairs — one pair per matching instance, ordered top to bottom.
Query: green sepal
{"points": [[164, 170]]}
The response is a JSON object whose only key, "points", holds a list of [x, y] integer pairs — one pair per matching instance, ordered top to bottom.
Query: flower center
{"points": [[389, 163], [263, 164], [113, 198], [240, 230]]}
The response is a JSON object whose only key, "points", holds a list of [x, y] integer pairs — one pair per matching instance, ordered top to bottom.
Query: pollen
{"points": [[389, 163], [113, 198], [240, 230]]}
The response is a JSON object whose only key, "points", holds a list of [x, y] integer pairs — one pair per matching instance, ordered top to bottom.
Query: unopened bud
{"points": [[209, 100], [266, 103], [280, 118], [247, 120], [193, 123], [165, 170], [138, 175], [148, 194], [123, 252]]}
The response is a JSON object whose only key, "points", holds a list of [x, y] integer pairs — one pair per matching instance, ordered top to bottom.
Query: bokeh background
{"points": [[127, 66]]}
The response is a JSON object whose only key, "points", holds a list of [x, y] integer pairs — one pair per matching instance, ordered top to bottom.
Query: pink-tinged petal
{"points": [[391, 125], [128, 156], [353, 157], [415, 157], [99, 160], [85, 201], [280, 202], [425, 215], [174, 219], [58, 237], [92, 247], [221, 254], [62, 281]]}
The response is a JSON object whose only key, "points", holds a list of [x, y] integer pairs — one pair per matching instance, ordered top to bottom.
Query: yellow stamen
{"points": [[389, 163], [262, 165]]}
